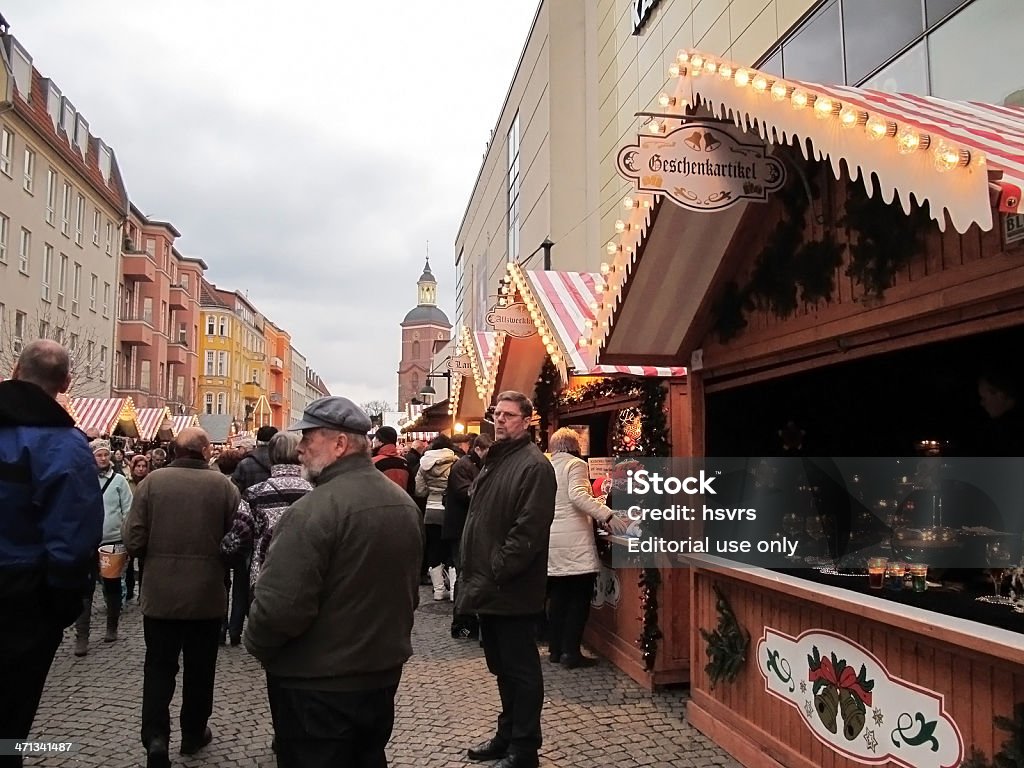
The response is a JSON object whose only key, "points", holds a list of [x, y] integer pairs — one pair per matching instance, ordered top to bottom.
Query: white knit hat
{"points": [[100, 445]]}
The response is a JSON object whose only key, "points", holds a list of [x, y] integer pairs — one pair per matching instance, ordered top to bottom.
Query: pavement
{"points": [[447, 701]]}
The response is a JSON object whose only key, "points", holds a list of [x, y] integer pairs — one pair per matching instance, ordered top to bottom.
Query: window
{"points": [[937, 10], [869, 43], [816, 52], [906, 74], [6, 149], [30, 170], [513, 190], [51, 196], [65, 211], [79, 219], [97, 219], [5, 225], [110, 238], [151, 247], [24, 250], [47, 270], [62, 280], [184, 282], [94, 284], [76, 289], [106, 299], [147, 310], [165, 318], [20, 321], [211, 325], [223, 326], [44, 329], [183, 334], [73, 346], [415, 350], [90, 356], [103, 362], [222, 363], [209, 364], [144, 375], [255, 375], [161, 378], [221, 401], [208, 402]]}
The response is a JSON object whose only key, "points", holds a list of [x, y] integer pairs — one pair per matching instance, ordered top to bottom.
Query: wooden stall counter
{"points": [[630, 631], [836, 678]]}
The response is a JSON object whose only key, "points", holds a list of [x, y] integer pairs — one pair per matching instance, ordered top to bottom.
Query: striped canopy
{"points": [[106, 414], [150, 421], [179, 423]]}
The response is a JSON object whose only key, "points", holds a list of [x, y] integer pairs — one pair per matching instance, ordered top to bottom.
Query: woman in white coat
{"points": [[572, 554]]}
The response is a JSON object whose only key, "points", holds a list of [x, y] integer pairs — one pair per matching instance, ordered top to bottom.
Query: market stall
{"points": [[848, 262], [467, 405], [107, 416], [179, 423], [154, 424]]}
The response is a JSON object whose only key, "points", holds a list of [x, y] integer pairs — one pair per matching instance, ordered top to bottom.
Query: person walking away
{"points": [[387, 458], [138, 468], [432, 481], [117, 500], [263, 504], [456, 506], [177, 521], [51, 525], [573, 562], [504, 573], [332, 614]]}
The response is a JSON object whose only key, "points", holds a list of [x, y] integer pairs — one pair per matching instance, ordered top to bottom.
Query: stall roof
{"points": [[948, 154], [468, 400], [105, 414], [150, 420], [179, 423], [216, 425]]}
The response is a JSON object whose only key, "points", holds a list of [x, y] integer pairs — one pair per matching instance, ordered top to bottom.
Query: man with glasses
{"points": [[504, 575], [332, 611]]}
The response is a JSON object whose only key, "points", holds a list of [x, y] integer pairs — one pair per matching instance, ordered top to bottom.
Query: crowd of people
{"points": [[310, 550]]}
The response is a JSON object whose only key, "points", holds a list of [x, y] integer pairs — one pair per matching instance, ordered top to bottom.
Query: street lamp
{"points": [[428, 390]]}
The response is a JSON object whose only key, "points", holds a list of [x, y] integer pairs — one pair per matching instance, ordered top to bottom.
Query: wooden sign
{"points": [[514, 320]]}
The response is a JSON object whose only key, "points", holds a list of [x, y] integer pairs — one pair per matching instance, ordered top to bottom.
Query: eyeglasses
{"points": [[507, 415]]}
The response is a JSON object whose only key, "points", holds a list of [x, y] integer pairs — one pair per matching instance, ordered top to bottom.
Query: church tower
{"points": [[424, 330]]}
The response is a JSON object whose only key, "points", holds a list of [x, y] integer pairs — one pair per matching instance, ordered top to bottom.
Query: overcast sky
{"points": [[306, 152]]}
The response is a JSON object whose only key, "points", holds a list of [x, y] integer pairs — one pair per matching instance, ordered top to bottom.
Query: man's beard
{"points": [[311, 470]]}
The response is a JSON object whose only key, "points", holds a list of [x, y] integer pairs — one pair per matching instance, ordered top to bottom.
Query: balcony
{"points": [[138, 267], [178, 298], [135, 333], [177, 354], [277, 365], [251, 391], [276, 398]]}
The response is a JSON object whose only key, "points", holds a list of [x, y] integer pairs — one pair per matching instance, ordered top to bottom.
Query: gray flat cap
{"points": [[333, 413]]}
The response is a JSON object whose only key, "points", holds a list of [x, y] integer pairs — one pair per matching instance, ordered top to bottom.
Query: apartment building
{"points": [[588, 69], [62, 203], [232, 352], [156, 359], [279, 373], [315, 387], [297, 400]]}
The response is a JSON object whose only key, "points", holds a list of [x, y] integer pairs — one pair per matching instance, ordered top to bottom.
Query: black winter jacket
{"points": [[254, 468], [456, 497], [505, 541]]}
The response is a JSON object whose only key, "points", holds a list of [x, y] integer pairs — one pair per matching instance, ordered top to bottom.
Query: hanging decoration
{"points": [[545, 399], [652, 439], [650, 634], [727, 645], [1011, 755]]}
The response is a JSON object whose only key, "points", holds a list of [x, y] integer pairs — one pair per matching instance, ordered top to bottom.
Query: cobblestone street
{"points": [[447, 702]]}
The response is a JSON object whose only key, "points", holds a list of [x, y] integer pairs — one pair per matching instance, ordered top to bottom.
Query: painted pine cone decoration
{"points": [[827, 705], [853, 715]]}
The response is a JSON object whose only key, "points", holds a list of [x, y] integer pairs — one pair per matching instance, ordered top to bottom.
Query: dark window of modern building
{"points": [[936, 10], [876, 30], [815, 53], [968, 54], [773, 64], [908, 73]]}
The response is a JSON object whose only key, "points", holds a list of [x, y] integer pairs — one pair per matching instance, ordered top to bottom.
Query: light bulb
{"points": [[682, 56], [697, 63], [710, 67], [673, 70], [725, 71], [742, 78], [760, 83], [779, 91], [800, 98], [664, 100], [825, 107], [851, 116], [654, 126], [878, 127], [909, 139], [948, 156], [628, 202], [621, 226], [612, 248], [605, 268], [502, 301], [594, 305], [588, 324], [545, 339], [550, 348], [556, 359]]}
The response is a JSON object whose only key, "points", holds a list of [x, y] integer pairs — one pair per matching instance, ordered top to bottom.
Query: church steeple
{"points": [[427, 287]]}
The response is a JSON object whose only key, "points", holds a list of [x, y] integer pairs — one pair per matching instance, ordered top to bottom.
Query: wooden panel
{"points": [[762, 731]]}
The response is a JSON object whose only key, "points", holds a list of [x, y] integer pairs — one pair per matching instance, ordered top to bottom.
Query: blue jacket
{"points": [[52, 508]]}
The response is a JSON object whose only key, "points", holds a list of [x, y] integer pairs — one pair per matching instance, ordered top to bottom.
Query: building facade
{"points": [[588, 69], [62, 204], [425, 329], [157, 357], [279, 373], [315, 387], [297, 400]]}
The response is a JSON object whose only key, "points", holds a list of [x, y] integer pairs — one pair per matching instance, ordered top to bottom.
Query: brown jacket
{"points": [[178, 517]]}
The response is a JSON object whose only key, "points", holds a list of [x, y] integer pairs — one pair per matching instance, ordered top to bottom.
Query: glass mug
{"points": [[876, 571], [894, 574], [919, 577]]}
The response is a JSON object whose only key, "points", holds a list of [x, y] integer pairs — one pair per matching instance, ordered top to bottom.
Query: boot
{"points": [[437, 581], [451, 584], [113, 615], [82, 630]]}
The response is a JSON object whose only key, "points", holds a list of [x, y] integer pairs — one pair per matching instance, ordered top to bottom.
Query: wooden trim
{"points": [[666, 361], [598, 405], [961, 633], [730, 732]]}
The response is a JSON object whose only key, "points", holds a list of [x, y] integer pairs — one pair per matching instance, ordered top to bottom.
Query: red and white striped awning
{"points": [[566, 298], [485, 343], [106, 414], [150, 420], [179, 423]]}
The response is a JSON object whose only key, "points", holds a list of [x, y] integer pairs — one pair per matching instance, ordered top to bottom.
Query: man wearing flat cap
{"points": [[332, 610]]}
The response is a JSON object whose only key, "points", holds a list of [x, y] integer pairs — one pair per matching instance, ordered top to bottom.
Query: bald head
{"points": [[46, 364], [191, 440]]}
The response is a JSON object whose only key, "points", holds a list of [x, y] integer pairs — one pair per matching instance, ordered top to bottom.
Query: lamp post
{"points": [[429, 391]]}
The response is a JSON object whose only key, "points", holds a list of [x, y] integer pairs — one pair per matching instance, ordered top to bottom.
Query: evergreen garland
{"points": [[545, 399], [653, 439], [650, 580], [726, 645], [1011, 755]]}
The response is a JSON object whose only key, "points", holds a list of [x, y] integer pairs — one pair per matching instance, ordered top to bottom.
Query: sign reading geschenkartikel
{"points": [[701, 167], [514, 320]]}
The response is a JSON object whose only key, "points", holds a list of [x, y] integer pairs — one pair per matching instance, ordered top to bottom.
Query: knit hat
{"points": [[100, 445]]}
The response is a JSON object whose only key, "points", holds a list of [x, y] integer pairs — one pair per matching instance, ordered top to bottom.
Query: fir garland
{"points": [[545, 399], [653, 440], [650, 580], [726, 645], [1011, 755]]}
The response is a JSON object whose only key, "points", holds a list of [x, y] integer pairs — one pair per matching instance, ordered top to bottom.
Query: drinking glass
{"points": [[999, 558], [876, 571], [895, 572], [919, 576]]}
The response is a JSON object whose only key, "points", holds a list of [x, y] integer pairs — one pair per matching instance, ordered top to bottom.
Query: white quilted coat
{"points": [[572, 550]]}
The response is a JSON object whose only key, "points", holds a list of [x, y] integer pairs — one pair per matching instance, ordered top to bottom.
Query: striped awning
{"points": [[567, 300], [485, 343], [65, 403], [106, 414], [150, 421], [179, 423]]}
